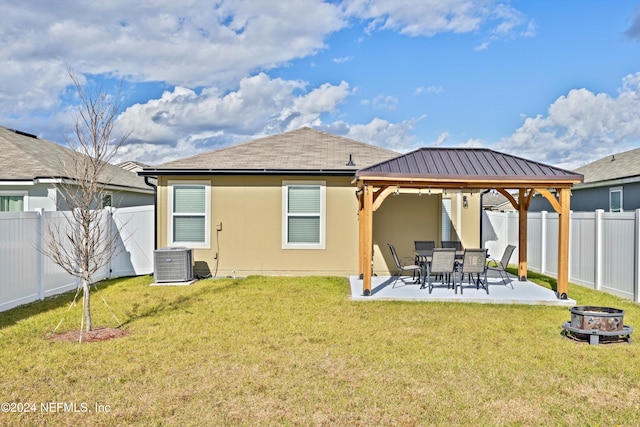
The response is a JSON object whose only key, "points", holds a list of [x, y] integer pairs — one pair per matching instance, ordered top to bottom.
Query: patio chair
{"points": [[455, 244], [423, 245], [474, 261], [443, 263], [501, 266], [401, 267]]}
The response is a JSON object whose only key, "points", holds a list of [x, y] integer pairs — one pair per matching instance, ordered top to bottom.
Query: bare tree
{"points": [[84, 244]]}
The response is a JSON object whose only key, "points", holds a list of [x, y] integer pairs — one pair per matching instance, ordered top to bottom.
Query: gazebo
{"points": [[467, 169]]}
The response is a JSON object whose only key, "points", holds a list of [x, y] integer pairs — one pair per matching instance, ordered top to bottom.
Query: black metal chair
{"points": [[455, 244], [423, 245], [474, 261], [443, 263], [501, 266], [401, 267]]}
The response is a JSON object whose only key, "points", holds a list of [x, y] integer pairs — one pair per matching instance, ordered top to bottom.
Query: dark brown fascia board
{"points": [[201, 172], [404, 175], [365, 176], [461, 183]]}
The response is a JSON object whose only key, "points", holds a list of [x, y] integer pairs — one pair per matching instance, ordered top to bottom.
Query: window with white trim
{"points": [[615, 199], [13, 201], [189, 214], [303, 219], [446, 219]]}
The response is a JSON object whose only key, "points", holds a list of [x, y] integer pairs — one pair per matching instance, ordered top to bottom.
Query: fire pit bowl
{"points": [[601, 318], [591, 323]]}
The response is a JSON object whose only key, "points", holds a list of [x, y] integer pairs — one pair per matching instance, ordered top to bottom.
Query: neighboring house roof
{"points": [[303, 150], [25, 157], [132, 166], [465, 166], [614, 167], [496, 202]]}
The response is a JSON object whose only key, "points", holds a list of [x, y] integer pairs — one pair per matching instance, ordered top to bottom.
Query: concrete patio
{"points": [[500, 292]]}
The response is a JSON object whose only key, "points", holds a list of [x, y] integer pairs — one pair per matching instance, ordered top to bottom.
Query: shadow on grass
{"points": [[179, 302], [25, 311]]}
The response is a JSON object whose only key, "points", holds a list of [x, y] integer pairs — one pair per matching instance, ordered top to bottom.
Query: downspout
{"points": [[155, 211], [481, 212]]}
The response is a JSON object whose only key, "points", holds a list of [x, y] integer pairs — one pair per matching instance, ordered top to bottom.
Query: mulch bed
{"points": [[98, 334]]}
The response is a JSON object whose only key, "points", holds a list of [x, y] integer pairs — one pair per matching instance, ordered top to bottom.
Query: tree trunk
{"points": [[87, 305]]}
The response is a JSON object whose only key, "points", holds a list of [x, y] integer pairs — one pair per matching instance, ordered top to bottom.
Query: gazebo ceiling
{"points": [[466, 168]]}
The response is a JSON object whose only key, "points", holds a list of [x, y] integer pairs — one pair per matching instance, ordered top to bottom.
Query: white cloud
{"points": [[429, 17], [511, 22], [633, 32], [181, 42], [194, 43], [342, 59], [429, 89], [384, 102], [185, 120], [581, 127], [380, 132], [441, 139], [474, 143]]}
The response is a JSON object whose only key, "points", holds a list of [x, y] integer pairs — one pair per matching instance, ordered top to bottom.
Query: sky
{"points": [[552, 81]]}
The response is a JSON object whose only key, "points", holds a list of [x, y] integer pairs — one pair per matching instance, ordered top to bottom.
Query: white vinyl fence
{"points": [[604, 251], [27, 275]]}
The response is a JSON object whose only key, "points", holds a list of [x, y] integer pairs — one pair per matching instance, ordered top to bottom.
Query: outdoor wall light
{"points": [[465, 202]]}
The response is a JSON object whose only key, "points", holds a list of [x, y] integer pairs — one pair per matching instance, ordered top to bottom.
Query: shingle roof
{"points": [[304, 149], [25, 157], [466, 164], [132, 165], [616, 166]]}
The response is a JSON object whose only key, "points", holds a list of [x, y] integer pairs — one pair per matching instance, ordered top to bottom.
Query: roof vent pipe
{"points": [[350, 162]]}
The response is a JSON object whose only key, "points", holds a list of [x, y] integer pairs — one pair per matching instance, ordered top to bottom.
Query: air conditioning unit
{"points": [[173, 265]]}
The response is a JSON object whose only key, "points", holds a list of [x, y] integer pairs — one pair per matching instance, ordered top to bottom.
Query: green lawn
{"points": [[297, 351]]}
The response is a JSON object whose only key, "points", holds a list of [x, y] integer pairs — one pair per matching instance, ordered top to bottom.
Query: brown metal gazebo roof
{"points": [[468, 168]]}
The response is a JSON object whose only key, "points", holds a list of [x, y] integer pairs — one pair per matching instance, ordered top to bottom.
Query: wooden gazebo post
{"points": [[524, 199], [366, 237], [563, 242]]}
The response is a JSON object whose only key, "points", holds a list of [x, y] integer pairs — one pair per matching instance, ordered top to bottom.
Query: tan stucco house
{"points": [[287, 205]]}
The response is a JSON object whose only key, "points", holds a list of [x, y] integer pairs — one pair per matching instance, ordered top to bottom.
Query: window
{"points": [[615, 199], [13, 201], [303, 215], [189, 216], [446, 219]]}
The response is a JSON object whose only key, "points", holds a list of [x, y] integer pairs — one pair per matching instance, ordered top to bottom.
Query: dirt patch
{"points": [[98, 334]]}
